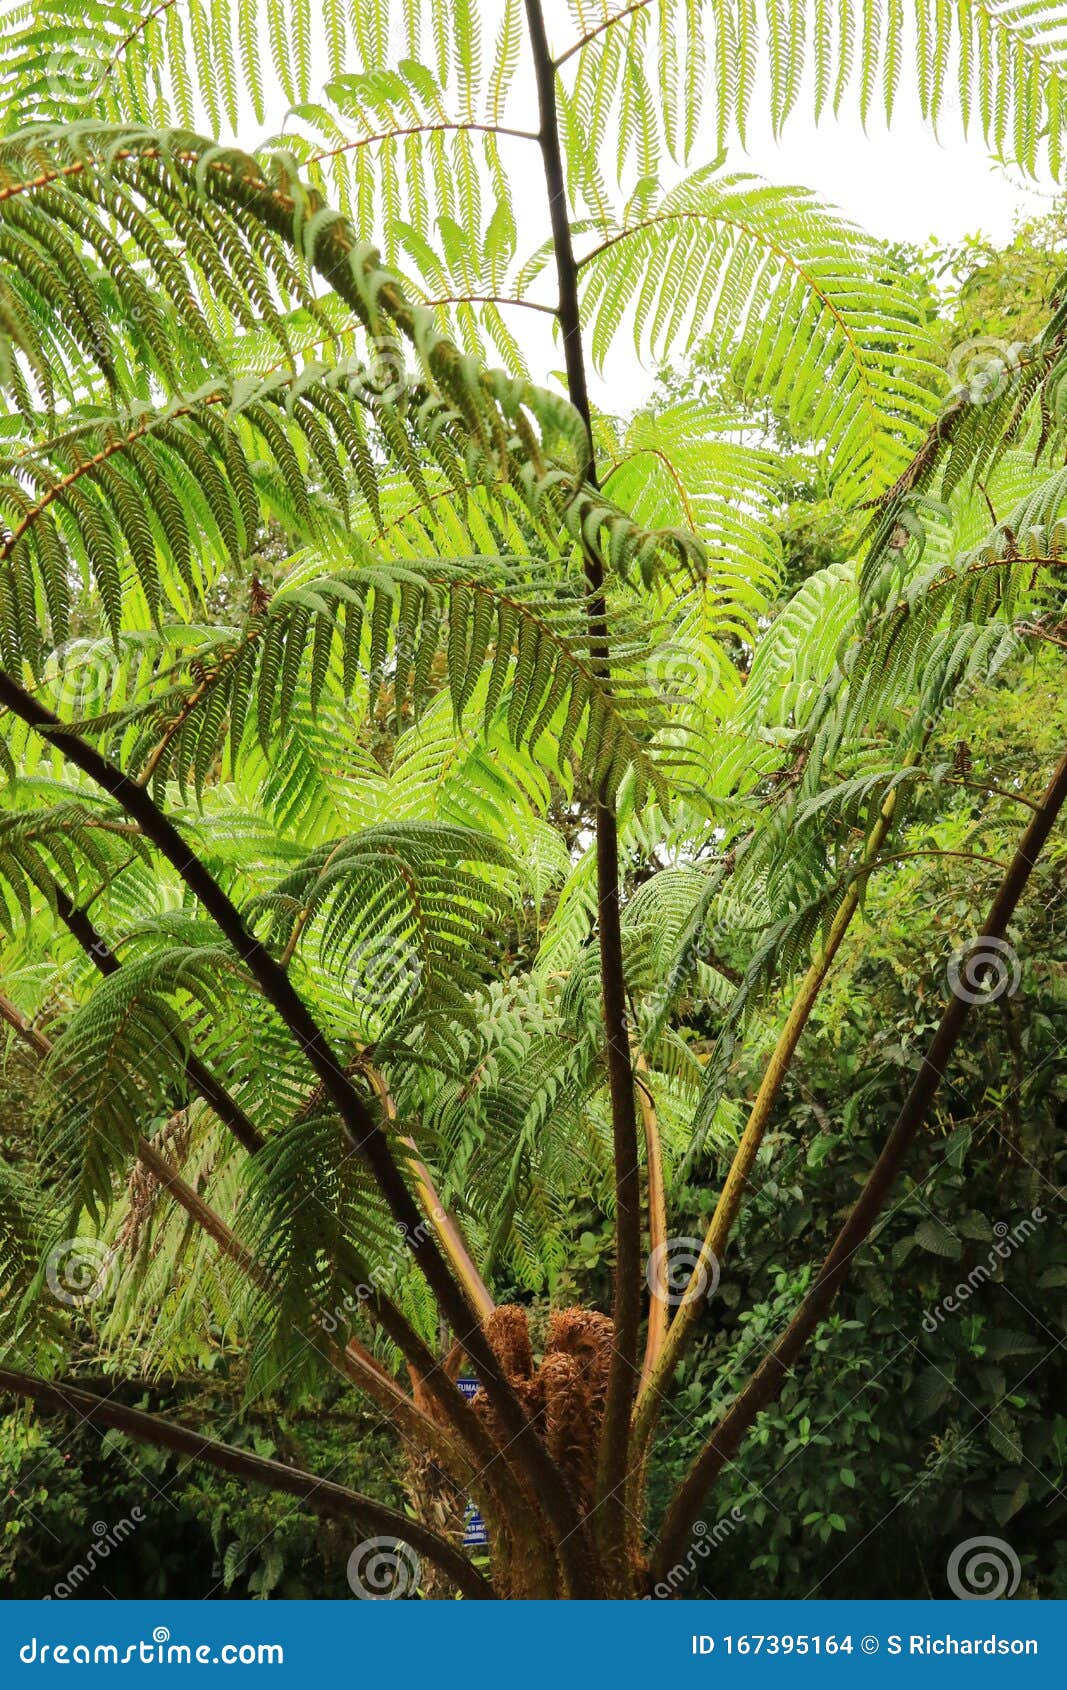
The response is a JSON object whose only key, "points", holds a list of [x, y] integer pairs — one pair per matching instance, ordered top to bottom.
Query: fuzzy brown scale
{"points": [[143, 1187], [563, 1393]]}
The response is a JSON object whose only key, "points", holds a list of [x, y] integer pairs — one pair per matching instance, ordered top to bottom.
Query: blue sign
{"points": [[475, 1535]]}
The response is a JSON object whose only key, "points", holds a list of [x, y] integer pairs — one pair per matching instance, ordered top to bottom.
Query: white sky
{"points": [[903, 183], [900, 184]]}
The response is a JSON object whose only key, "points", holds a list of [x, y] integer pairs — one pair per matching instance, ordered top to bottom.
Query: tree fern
{"points": [[404, 765]]}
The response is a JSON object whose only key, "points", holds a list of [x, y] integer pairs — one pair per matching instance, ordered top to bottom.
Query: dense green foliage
{"points": [[914, 1422]]}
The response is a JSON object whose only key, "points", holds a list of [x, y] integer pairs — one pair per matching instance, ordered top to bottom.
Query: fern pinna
{"points": [[416, 794]]}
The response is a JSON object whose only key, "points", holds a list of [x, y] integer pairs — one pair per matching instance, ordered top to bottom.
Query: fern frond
{"points": [[792, 300], [380, 627], [406, 915], [120, 1062]]}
